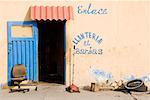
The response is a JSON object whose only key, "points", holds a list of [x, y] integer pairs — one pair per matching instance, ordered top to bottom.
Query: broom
{"points": [[72, 88]]}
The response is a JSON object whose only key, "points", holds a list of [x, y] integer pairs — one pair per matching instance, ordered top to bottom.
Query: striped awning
{"points": [[51, 13]]}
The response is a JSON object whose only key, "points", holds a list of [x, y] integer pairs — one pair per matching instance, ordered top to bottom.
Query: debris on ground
{"points": [[136, 85], [103, 86], [100, 87]]}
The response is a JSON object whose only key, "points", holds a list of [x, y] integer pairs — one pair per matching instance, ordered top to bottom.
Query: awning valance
{"points": [[51, 12]]}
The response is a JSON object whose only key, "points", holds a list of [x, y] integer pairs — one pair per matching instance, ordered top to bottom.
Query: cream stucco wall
{"points": [[124, 30]]}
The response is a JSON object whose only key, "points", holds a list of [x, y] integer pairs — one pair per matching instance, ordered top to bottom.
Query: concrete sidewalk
{"points": [[57, 92]]}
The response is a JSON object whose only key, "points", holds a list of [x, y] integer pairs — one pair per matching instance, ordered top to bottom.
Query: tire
{"points": [[136, 85]]}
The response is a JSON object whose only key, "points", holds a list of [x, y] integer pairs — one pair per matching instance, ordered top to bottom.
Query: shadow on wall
{"points": [[27, 17]]}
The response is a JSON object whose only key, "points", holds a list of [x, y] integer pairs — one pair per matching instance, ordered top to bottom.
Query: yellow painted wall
{"points": [[125, 31]]}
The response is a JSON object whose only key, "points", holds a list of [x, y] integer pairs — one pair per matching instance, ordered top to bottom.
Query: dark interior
{"points": [[51, 51]]}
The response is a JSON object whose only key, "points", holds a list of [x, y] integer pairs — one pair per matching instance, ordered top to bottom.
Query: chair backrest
{"points": [[19, 70]]}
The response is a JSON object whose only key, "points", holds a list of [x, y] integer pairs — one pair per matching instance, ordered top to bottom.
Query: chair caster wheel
{"points": [[36, 89], [28, 90]]}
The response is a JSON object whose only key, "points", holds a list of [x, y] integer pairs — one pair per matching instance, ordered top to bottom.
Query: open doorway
{"points": [[51, 49]]}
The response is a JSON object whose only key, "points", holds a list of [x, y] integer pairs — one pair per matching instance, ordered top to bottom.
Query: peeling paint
{"points": [[145, 78]]}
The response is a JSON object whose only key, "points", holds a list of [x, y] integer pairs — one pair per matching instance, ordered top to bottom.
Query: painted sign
{"points": [[90, 9], [87, 47], [100, 75]]}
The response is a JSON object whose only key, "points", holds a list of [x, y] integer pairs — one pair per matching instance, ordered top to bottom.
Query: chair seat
{"points": [[18, 79]]}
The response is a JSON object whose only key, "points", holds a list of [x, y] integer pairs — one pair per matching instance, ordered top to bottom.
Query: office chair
{"points": [[18, 75]]}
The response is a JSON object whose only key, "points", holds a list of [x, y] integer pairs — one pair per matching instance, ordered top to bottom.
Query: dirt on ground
{"points": [[51, 91]]}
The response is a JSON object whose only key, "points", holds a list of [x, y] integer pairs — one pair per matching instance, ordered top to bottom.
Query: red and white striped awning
{"points": [[51, 13]]}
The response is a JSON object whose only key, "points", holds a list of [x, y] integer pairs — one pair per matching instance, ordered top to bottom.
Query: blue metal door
{"points": [[23, 49]]}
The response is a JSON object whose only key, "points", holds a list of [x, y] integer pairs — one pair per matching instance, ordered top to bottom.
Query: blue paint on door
{"points": [[23, 51]]}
